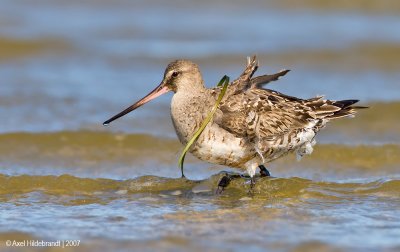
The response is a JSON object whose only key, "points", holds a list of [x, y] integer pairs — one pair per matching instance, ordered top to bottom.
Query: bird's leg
{"points": [[251, 167], [263, 171], [227, 178], [224, 182], [252, 182], [250, 192]]}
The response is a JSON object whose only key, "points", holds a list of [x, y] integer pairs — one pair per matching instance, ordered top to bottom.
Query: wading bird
{"points": [[252, 126]]}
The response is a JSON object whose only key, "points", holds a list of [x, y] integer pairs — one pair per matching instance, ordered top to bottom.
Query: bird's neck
{"points": [[188, 110]]}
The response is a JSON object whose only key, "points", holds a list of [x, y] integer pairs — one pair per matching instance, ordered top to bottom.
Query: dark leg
{"points": [[263, 171], [227, 178], [224, 182], [252, 182], [252, 185]]}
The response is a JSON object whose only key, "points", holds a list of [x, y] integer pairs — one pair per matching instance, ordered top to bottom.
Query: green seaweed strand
{"points": [[224, 81]]}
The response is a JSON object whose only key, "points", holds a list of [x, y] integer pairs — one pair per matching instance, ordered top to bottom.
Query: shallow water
{"points": [[66, 66], [85, 195], [281, 212]]}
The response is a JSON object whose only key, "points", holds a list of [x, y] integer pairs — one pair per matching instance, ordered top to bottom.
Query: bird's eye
{"points": [[174, 74]]}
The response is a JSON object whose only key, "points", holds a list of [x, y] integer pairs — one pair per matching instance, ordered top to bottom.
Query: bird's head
{"points": [[179, 76]]}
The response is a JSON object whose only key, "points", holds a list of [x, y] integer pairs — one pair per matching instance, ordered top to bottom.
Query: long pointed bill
{"points": [[161, 89]]}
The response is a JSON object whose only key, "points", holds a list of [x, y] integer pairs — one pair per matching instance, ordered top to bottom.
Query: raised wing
{"points": [[246, 81], [260, 81], [243, 82], [246, 102], [250, 111]]}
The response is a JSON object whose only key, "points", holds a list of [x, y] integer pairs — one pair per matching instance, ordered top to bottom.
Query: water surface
{"points": [[66, 66]]}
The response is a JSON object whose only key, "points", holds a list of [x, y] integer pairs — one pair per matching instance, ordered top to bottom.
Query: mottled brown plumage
{"points": [[252, 126]]}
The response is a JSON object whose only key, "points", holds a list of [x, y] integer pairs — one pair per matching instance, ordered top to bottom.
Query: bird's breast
{"points": [[215, 145]]}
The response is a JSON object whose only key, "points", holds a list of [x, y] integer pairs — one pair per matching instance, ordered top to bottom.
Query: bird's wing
{"points": [[246, 81], [260, 81], [245, 98], [248, 110], [261, 113], [267, 114]]}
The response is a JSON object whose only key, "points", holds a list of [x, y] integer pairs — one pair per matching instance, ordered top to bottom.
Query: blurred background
{"points": [[66, 66]]}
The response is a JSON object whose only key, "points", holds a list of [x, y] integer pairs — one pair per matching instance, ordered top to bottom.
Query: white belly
{"points": [[218, 146]]}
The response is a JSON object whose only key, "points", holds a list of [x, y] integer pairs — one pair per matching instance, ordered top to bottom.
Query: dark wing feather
{"points": [[245, 80], [260, 81]]}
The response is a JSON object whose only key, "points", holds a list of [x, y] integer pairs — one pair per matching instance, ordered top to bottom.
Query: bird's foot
{"points": [[264, 172], [227, 178], [225, 181]]}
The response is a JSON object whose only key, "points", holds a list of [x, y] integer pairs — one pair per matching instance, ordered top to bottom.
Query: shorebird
{"points": [[252, 126]]}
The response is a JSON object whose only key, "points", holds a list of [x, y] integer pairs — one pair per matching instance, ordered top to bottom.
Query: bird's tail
{"points": [[346, 109]]}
